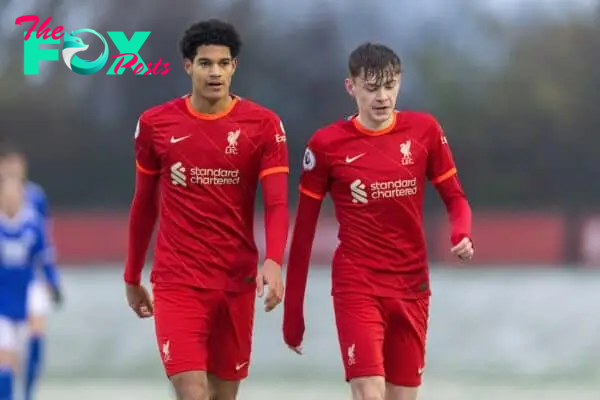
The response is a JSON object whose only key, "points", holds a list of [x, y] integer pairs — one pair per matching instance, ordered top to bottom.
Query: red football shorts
{"points": [[204, 330], [382, 336]]}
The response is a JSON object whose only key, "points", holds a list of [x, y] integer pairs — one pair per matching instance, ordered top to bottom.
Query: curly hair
{"points": [[210, 32]]}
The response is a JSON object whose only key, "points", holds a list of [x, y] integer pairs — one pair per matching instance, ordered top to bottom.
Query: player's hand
{"points": [[464, 250], [270, 275], [56, 296], [139, 300]]}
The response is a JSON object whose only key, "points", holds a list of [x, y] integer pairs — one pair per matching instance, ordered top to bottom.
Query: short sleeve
{"points": [[274, 153], [146, 159], [440, 163], [314, 181]]}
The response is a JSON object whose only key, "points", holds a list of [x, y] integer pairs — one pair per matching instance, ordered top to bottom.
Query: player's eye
{"points": [[204, 63]]}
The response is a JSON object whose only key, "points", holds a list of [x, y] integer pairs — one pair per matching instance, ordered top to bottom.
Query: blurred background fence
{"points": [[515, 84]]}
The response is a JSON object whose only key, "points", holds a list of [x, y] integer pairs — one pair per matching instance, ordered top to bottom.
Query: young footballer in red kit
{"points": [[199, 159], [375, 165]]}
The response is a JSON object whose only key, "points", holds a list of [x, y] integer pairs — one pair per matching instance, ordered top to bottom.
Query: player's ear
{"points": [[234, 64], [187, 65], [349, 84]]}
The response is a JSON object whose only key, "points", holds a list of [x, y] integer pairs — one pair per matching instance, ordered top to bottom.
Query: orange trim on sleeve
{"points": [[191, 110], [144, 170], [274, 170], [444, 176], [311, 194]]}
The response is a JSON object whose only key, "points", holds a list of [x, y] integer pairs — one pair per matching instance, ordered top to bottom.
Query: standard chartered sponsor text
{"points": [[214, 176], [391, 189]]}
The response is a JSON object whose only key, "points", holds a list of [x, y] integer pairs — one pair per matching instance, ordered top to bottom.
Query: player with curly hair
{"points": [[199, 159]]}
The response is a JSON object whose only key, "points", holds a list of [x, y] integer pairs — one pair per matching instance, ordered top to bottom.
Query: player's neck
{"points": [[204, 106], [374, 125], [10, 212]]}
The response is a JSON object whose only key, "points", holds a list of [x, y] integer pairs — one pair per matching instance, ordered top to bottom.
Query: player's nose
{"points": [[214, 72], [380, 96]]}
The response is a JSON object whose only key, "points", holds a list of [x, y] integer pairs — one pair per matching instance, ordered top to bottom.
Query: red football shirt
{"points": [[209, 167], [376, 180]]}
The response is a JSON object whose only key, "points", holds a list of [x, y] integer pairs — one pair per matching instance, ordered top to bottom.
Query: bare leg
{"points": [[191, 385], [368, 388], [221, 389], [394, 392]]}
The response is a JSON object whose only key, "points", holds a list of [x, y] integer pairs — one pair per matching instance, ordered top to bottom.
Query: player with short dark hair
{"points": [[199, 160], [374, 165], [23, 250], [45, 289]]}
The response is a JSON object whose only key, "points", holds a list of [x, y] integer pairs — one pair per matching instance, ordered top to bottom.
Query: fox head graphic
{"points": [[71, 46]]}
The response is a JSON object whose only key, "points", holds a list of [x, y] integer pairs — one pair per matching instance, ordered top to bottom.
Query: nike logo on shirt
{"points": [[177, 140], [350, 160]]}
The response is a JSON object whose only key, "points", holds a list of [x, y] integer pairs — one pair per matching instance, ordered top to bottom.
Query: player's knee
{"points": [[37, 325], [8, 360], [191, 385], [368, 388], [222, 389], [394, 392], [368, 394], [223, 396]]}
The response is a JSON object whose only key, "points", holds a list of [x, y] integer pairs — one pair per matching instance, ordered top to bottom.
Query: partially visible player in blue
{"points": [[22, 250], [45, 287]]}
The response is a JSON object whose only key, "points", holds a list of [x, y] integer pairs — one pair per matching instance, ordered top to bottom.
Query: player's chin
{"points": [[214, 92], [381, 114]]}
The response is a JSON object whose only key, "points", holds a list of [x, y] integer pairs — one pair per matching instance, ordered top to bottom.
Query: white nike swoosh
{"points": [[177, 140], [352, 159], [240, 366]]}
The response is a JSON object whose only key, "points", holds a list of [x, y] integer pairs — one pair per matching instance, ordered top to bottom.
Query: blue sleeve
{"points": [[38, 197], [40, 200], [42, 206], [45, 255]]}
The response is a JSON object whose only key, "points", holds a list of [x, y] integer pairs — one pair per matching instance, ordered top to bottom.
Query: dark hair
{"points": [[211, 32], [374, 61], [9, 150]]}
